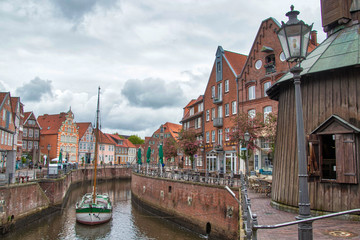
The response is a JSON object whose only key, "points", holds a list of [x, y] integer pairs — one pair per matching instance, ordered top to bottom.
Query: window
{"points": [[282, 57], [258, 64], [270, 64], [226, 85], [267, 85], [213, 92], [251, 92], [219, 96], [233, 106], [201, 107], [226, 109], [191, 111], [267, 111], [251, 113], [212, 114], [207, 115], [220, 115], [199, 122], [25, 132], [31, 132], [36, 133], [227, 134], [213, 136], [207, 137], [220, 137], [24, 144], [30, 144], [36, 145], [199, 161]]}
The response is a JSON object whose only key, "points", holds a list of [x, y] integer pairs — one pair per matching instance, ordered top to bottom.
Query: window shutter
{"points": [[313, 157], [346, 169]]}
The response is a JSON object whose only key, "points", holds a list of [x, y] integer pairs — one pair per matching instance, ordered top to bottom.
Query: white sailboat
{"points": [[94, 208]]}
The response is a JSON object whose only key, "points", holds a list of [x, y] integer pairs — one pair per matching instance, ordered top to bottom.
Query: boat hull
{"points": [[94, 218]]}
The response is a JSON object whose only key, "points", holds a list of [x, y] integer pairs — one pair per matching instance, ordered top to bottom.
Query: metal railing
{"points": [[214, 178], [250, 219]]}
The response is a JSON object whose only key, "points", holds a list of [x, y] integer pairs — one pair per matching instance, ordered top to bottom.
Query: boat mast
{"points": [[96, 143]]}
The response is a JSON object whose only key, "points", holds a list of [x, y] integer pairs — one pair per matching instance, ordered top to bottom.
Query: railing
{"points": [[217, 100], [218, 122], [214, 178], [250, 220]]}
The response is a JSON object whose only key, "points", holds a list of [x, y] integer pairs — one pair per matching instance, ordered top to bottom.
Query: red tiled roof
{"points": [[236, 60], [2, 97], [26, 116], [50, 124], [82, 127], [173, 128], [103, 138], [129, 144]]}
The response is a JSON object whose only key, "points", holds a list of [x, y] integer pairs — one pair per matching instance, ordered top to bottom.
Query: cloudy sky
{"points": [[150, 57]]}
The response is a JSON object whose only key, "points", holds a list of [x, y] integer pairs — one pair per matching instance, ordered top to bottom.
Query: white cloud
{"points": [[80, 45]]}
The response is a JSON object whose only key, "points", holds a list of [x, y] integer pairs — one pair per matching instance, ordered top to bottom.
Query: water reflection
{"points": [[129, 221]]}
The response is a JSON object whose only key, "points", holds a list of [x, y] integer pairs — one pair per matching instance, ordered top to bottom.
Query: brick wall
{"points": [[190, 204]]}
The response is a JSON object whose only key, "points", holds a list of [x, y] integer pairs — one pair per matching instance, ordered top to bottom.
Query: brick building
{"points": [[264, 66], [220, 108], [18, 116], [193, 119], [7, 127], [165, 131], [60, 133], [31, 136], [86, 142], [121, 149]]}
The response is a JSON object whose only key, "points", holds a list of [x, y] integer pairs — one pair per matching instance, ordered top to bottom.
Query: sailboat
{"points": [[94, 208]]}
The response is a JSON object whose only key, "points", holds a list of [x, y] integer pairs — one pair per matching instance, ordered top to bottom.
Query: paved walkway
{"points": [[322, 229]]}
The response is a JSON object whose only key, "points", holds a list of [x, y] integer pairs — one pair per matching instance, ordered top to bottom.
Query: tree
{"points": [[135, 139], [189, 143], [170, 148]]}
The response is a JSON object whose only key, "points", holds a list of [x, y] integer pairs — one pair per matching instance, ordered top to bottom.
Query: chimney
{"points": [[313, 38]]}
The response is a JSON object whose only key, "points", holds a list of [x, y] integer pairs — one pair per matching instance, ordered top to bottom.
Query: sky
{"points": [[150, 57]]}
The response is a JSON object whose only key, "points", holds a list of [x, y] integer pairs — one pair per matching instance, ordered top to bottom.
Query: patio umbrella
{"points": [[148, 154], [161, 154], [139, 156], [60, 157]]}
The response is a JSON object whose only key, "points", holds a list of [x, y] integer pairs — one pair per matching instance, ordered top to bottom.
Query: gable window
{"points": [[270, 64], [226, 85], [267, 85], [251, 93], [233, 106]]}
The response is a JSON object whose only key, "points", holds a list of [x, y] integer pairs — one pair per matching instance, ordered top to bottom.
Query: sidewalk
{"points": [[322, 229]]}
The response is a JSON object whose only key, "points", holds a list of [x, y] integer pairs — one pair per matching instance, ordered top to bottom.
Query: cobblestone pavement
{"points": [[322, 229]]}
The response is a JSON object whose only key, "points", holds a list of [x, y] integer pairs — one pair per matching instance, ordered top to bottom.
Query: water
{"points": [[129, 220]]}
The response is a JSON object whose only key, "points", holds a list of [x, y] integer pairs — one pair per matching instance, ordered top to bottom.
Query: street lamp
{"points": [[294, 38], [247, 139], [48, 160]]}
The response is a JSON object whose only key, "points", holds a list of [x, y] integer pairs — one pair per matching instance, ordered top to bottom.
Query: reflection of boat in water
{"points": [[94, 208], [92, 232]]}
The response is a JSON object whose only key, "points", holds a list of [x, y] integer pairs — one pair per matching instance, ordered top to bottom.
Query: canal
{"points": [[129, 220]]}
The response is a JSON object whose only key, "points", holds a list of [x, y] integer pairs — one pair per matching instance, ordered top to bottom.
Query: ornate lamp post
{"points": [[294, 38], [247, 139]]}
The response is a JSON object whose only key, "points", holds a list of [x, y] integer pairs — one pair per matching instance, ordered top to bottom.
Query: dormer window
{"points": [[270, 64]]}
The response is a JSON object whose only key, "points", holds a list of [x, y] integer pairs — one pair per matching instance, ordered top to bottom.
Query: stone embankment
{"points": [[23, 203], [198, 206]]}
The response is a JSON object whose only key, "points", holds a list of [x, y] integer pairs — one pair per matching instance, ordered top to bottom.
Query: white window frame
{"points": [[226, 85], [267, 85], [212, 91], [251, 92], [234, 108], [267, 111], [252, 113], [212, 114], [207, 115], [227, 134], [213, 136], [207, 137]]}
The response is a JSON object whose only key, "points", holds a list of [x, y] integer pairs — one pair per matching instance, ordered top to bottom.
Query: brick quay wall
{"points": [[23, 203], [196, 206]]}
